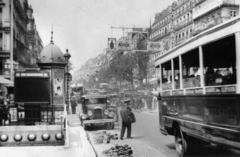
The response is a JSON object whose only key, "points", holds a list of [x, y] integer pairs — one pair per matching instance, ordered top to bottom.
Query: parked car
{"points": [[96, 111]]}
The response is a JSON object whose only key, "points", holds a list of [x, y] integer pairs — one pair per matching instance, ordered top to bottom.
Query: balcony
{"points": [[188, 9], [183, 24], [207, 25], [161, 36], [182, 39]]}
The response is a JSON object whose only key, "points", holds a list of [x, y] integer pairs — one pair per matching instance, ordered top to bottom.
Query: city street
{"points": [[148, 141]]}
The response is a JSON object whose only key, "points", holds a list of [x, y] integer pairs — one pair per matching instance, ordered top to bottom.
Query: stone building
{"points": [[207, 14], [185, 19], [19, 45]]}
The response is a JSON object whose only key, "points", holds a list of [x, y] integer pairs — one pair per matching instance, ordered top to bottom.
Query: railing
{"points": [[183, 24], [32, 114]]}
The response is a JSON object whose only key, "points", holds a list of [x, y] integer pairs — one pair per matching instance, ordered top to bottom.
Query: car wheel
{"points": [[181, 143]]}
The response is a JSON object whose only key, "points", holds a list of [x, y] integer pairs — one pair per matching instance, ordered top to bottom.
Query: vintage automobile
{"points": [[95, 111]]}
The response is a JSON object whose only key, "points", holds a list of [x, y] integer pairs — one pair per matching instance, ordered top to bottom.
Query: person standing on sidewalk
{"points": [[73, 104], [127, 119]]}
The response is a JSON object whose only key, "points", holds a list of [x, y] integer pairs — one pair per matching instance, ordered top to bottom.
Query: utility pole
{"points": [[11, 38]]}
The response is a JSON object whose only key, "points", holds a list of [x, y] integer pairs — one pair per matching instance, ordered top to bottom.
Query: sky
{"points": [[83, 26]]}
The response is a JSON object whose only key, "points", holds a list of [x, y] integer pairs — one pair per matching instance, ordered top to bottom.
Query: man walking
{"points": [[73, 104], [127, 119]]}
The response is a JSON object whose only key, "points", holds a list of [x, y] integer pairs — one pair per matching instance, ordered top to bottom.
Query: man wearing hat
{"points": [[126, 119]]}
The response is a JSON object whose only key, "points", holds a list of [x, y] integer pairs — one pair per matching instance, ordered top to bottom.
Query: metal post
{"points": [[11, 38], [237, 41]]}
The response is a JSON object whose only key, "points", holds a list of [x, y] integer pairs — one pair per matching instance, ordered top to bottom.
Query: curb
{"points": [[67, 140], [91, 144]]}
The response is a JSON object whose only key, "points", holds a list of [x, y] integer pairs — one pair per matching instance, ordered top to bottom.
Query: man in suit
{"points": [[126, 119]]}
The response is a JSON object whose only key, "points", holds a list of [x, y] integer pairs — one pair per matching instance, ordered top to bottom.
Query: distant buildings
{"points": [[187, 18], [175, 25]]}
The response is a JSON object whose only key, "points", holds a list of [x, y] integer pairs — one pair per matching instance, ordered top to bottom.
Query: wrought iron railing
{"points": [[31, 114]]}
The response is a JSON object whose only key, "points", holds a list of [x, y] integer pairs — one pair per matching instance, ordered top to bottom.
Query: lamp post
{"points": [[67, 56]]}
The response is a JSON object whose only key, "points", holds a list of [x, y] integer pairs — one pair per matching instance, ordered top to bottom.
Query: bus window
{"points": [[219, 59], [190, 65], [176, 73], [167, 76]]}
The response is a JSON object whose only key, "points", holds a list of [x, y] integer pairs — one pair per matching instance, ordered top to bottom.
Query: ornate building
{"points": [[207, 14], [187, 18], [19, 45]]}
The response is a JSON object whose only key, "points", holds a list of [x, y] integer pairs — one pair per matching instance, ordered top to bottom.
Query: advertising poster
{"points": [[58, 86]]}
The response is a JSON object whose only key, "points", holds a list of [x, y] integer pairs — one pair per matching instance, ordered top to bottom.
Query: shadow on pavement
{"points": [[137, 137], [210, 151]]}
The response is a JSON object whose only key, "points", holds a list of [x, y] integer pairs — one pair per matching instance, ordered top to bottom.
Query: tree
{"points": [[142, 60], [121, 67]]}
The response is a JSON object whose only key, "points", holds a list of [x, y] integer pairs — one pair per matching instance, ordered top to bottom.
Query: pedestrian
{"points": [[73, 104], [138, 104], [4, 109], [127, 119]]}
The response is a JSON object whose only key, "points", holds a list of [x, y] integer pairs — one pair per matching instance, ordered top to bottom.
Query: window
{"points": [[233, 13], [1, 17], [1, 41], [190, 69], [219, 71], [176, 73], [166, 75]]}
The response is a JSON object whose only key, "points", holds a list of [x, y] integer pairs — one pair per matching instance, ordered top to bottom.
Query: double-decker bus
{"points": [[199, 99]]}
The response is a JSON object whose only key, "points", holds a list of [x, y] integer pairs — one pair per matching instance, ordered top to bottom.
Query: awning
{"points": [[5, 81]]}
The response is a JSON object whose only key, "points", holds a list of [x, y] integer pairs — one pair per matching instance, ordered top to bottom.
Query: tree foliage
{"points": [[122, 66]]}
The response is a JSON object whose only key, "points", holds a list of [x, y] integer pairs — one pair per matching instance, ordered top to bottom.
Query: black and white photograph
{"points": [[119, 78]]}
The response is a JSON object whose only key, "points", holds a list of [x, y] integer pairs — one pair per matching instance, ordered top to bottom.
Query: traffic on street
{"points": [[111, 78]]}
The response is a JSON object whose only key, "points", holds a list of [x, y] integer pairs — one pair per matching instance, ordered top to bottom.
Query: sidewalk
{"points": [[79, 145]]}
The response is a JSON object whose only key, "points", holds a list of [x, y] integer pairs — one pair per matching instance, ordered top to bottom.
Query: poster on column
{"points": [[58, 86]]}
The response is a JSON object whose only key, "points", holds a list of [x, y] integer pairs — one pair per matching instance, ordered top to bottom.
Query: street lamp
{"points": [[67, 56]]}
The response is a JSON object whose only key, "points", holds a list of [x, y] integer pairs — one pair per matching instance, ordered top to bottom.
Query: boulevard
{"points": [[148, 141]]}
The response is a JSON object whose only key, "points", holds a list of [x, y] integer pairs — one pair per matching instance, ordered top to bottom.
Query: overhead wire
{"points": [[101, 19]]}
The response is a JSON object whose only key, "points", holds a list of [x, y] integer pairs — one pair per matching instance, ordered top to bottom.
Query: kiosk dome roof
{"points": [[51, 54]]}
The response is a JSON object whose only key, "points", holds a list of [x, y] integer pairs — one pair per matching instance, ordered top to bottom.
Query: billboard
{"points": [[124, 44], [154, 46]]}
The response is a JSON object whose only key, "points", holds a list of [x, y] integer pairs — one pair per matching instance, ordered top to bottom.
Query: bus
{"points": [[199, 97]]}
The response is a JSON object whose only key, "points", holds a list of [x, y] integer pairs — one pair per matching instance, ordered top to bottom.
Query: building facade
{"points": [[185, 19], [16, 50]]}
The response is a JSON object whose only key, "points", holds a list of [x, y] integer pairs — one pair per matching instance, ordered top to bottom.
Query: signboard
{"points": [[112, 43], [124, 44], [154, 46]]}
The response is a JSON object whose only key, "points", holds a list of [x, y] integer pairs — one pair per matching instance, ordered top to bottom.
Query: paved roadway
{"points": [[146, 129]]}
